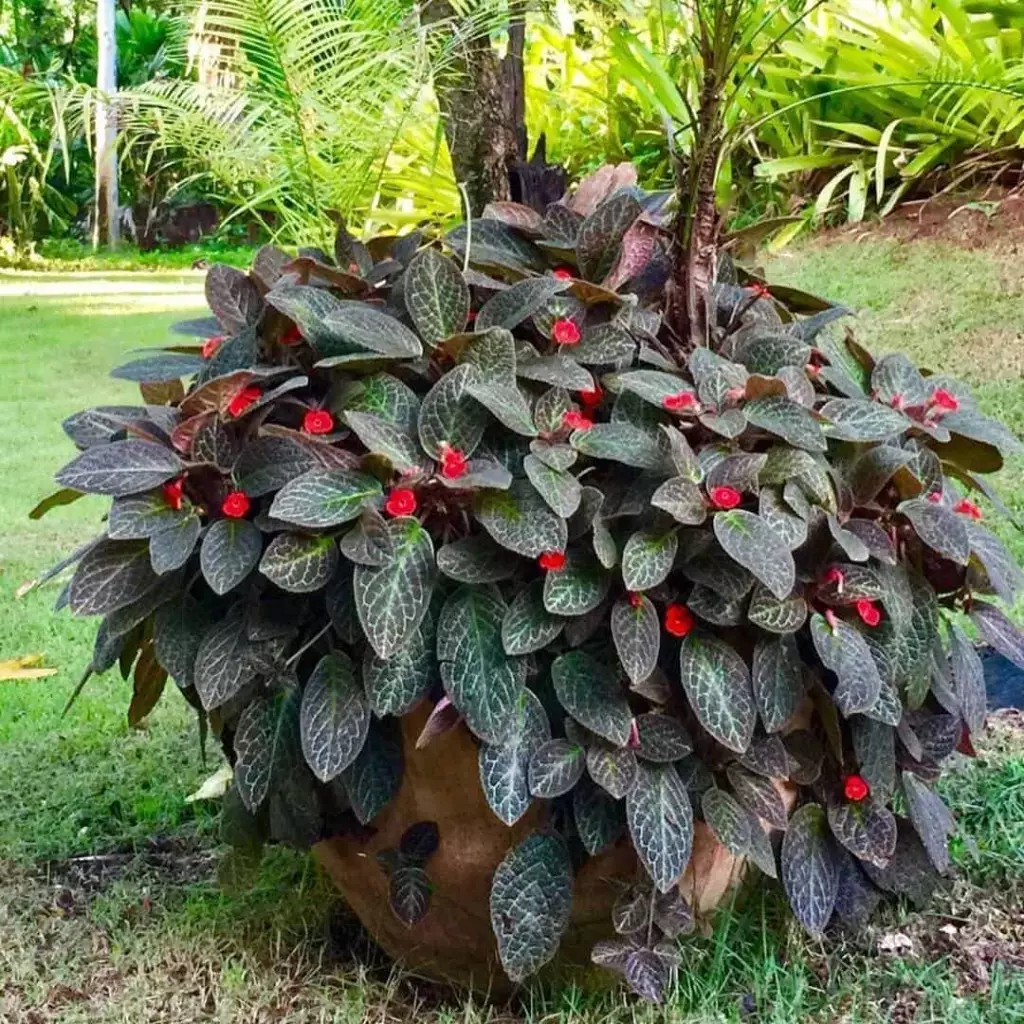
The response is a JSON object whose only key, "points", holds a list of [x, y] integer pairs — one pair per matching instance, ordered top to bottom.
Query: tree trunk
{"points": [[479, 124], [105, 219]]}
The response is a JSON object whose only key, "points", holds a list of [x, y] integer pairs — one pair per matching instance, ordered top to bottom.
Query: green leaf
{"points": [[600, 235], [492, 243], [436, 296], [232, 297], [509, 308], [604, 345], [767, 351], [162, 367], [558, 370], [896, 377], [653, 386], [386, 397], [548, 413], [450, 415], [786, 419], [851, 419], [383, 438], [619, 442], [557, 456], [268, 463], [121, 468], [560, 490], [67, 496], [324, 497], [682, 500], [141, 516], [519, 519], [939, 527], [369, 542], [756, 546], [171, 548], [230, 551], [648, 557], [475, 559], [299, 562], [993, 568], [111, 575], [577, 588], [392, 598], [766, 611], [527, 625], [178, 630], [998, 630], [636, 633], [845, 651], [969, 679], [778, 681], [482, 682], [717, 684], [395, 685], [590, 692], [334, 717], [662, 738], [263, 742], [874, 744], [768, 757], [505, 766], [555, 767], [612, 768], [375, 775], [759, 796], [600, 819], [931, 819], [727, 820], [660, 823], [867, 829], [809, 873], [409, 891], [531, 898]]}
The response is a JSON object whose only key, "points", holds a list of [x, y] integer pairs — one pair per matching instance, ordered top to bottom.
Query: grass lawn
{"points": [[109, 908]]}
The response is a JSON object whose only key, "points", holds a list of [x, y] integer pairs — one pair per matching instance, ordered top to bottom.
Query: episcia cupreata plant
{"points": [[479, 472]]}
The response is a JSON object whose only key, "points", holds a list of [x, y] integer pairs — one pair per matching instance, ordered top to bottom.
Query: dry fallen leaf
{"points": [[28, 666], [214, 786], [896, 943]]}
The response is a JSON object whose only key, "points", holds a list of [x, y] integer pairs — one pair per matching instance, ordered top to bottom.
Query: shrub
{"points": [[649, 581]]}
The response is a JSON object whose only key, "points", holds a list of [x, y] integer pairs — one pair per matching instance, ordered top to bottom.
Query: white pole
{"points": [[105, 221]]}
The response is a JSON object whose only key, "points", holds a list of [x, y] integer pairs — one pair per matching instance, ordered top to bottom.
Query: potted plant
{"points": [[628, 609]]}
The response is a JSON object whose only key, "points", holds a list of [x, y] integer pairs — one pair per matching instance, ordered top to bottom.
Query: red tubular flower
{"points": [[563, 273], [760, 290], [471, 316], [565, 332], [293, 336], [210, 346], [812, 370], [591, 397], [243, 400], [680, 400], [944, 400], [897, 402], [576, 420], [318, 421], [453, 463], [172, 492], [725, 497], [935, 497], [401, 502], [235, 505], [968, 508], [552, 561], [835, 575], [635, 599], [869, 612], [830, 618], [678, 619], [634, 736], [855, 788]]}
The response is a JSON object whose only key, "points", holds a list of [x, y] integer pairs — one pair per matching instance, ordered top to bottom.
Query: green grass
{"points": [[68, 254], [146, 935]]}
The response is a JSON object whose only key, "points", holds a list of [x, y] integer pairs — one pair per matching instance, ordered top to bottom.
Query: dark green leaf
{"points": [[600, 235], [492, 243], [436, 296], [232, 297], [511, 307], [766, 351], [161, 367], [450, 415], [786, 419], [851, 419], [383, 438], [619, 442], [267, 463], [121, 468], [559, 489], [324, 497], [681, 499], [141, 516], [520, 520], [939, 527], [756, 546], [170, 549], [647, 558], [475, 560], [299, 562], [998, 572], [110, 575], [576, 589], [766, 611], [528, 626], [178, 630], [998, 630], [636, 633], [222, 667], [969, 679], [717, 684], [395, 685], [590, 692], [334, 717], [662, 738], [264, 739], [874, 744], [555, 767], [612, 768], [375, 775], [758, 795], [600, 819], [931, 819], [727, 820], [660, 823], [867, 829], [809, 873], [409, 890]]}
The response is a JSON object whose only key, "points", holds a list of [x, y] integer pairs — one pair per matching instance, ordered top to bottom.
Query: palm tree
{"points": [[106, 221]]}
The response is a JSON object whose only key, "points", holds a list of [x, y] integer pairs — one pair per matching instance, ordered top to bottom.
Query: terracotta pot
{"points": [[454, 941]]}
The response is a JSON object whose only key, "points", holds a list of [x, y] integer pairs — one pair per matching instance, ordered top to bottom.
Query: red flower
{"points": [[563, 273], [760, 290], [471, 316], [565, 332], [293, 336], [210, 346], [812, 370], [735, 394], [591, 397], [243, 400], [680, 400], [944, 400], [896, 402], [576, 420], [318, 421], [453, 463], [172, 492], [725, 497], [935, 497], [401, 502], [235, 505], [967, 508], [552, 561], [835, 575], [635, 599], [869, 612], [830, 618], [678, 619], [634, 735], [855, 788]]}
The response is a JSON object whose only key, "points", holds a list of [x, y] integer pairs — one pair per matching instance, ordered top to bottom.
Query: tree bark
{"points": [[479, 124], [105, 220]]}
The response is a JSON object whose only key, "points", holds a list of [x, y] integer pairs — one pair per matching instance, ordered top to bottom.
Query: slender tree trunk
{"points": [[479, 123], [105, 220]]}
